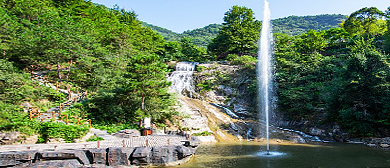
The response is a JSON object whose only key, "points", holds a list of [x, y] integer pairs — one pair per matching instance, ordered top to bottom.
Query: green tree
{"points": [[366, 21], [8, 28], [239, 34], [387, 35], [337, 37], [311, 42], [172, 51], [191, 52], [147, 82], [361, 98]]}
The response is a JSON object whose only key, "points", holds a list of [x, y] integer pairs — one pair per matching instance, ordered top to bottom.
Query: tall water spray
{"points": [[264, 70]]}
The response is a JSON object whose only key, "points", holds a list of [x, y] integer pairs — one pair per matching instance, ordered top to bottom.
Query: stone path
{"points": [[103, 133], [142, 141]]}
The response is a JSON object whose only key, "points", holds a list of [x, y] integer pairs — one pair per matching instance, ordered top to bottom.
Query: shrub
{"points": [[245, 60], [115, 128], [60, 130], [204, 133], [95, 138]]}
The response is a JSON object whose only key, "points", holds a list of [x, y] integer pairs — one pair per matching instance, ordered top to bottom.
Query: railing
{"points": [[64, 88], [66, 118]]}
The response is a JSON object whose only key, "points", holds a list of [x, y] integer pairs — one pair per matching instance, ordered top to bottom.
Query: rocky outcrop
{"points": [[226, 85], [113, 156]]}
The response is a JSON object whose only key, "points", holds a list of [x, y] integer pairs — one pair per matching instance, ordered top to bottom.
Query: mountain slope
{"points": [[292, 25], [297, 25]]}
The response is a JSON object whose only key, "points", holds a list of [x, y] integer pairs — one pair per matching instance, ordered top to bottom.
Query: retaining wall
{"points": [[95, 157]]}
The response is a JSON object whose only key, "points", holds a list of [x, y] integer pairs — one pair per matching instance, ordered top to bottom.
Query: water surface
{"points": [[289, 156]]}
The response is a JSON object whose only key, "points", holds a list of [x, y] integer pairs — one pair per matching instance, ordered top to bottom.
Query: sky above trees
{"points": [[182, 15]]}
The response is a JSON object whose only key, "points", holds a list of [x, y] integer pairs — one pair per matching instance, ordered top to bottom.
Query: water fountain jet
{"points": [[264, 70]]}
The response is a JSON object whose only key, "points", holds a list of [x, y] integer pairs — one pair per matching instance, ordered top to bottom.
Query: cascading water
{"points": [[264, 70], [181, 78], [248, 133]]}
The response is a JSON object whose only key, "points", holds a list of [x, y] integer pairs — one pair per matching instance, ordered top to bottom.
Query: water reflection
{"points": [[287, 155]]}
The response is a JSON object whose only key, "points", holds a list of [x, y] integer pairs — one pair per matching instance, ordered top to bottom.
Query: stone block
{"points": [[194, 142], [183, 152], [64, 155], [160, 155], [98, 156], [119, 156], [141, 156], [16, 158], [7, 159], [56, 163]]}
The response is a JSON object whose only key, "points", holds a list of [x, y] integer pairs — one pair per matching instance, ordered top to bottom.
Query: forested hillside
{"points": [[292, 25], [297, 25], [167, 34]]}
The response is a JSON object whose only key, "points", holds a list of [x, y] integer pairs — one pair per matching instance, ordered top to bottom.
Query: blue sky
{"points": [[182, 15]]}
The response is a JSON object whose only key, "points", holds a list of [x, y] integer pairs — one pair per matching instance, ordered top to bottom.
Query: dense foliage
{"points": [[106, 52], [341, 73]]}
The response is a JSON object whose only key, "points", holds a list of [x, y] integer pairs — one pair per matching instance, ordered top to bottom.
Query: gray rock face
{"points": [[113, 157]]}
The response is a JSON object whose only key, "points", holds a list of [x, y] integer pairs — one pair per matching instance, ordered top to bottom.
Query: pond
{"points": [[251, 154]]}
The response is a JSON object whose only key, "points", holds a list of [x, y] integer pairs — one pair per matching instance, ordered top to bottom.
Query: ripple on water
{"points": [[270, 154]]}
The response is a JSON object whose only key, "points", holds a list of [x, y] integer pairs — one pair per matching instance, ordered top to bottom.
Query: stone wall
{"points": [[113, 156]]}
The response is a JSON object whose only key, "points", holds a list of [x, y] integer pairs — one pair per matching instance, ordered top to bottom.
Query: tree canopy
{"points": [[239, 34]]}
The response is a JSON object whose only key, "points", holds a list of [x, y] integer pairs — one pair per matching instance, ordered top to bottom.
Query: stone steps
{"points": [[74, 98]]}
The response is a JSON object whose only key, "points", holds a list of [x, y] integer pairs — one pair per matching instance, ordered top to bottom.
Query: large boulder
{"points": [[194, 142], [183, 152], [162, 155], [98, 156], [119, 156], [141, 156]]}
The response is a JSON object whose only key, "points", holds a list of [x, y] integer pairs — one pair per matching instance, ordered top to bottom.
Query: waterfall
{"points": [[264, 70], [181, 78], [248, 133]]}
